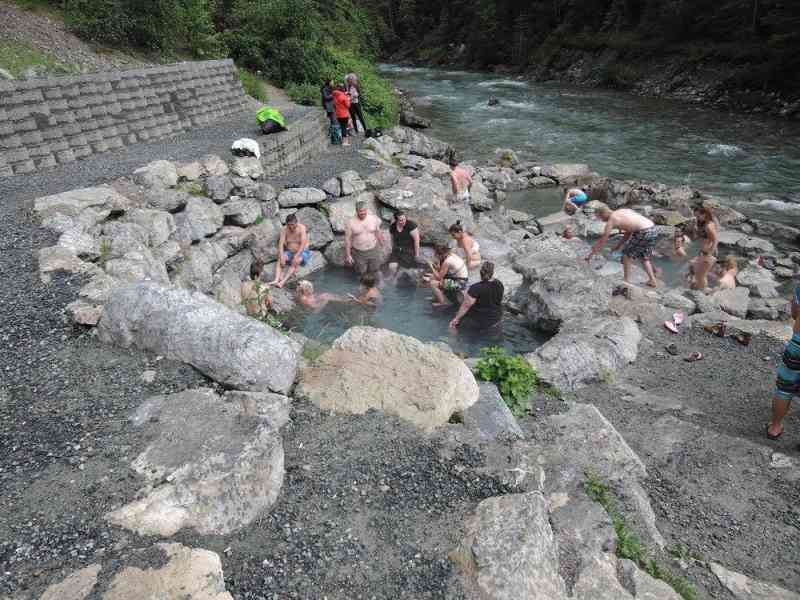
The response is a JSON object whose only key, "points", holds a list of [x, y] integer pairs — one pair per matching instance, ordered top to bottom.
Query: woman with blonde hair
{"points": [[707, 232]]}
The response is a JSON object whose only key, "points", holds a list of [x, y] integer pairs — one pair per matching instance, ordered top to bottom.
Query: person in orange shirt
{"points": [[341, 107]]}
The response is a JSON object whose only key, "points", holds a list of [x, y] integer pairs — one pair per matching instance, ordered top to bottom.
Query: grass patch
{"points": [[41, 7], [17, 57], [253, 86], [307, 94], [629, 545]]}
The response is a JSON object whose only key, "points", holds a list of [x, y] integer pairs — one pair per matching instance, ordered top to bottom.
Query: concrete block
{"points": [[53, 93], [17, 113], [83, 114], [31, 138], [131, 138], [10, 141], [77, 141], [115, 142], [58, 145], [100, 146], [39, 151], [82, 151], [17, 155], [65, 156], [46, 162], [24, 167], [6, 171]]}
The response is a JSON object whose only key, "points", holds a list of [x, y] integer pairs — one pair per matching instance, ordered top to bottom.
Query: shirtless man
{"points": [[461, 182], [363, 240], [638, 242], [292, 250]]}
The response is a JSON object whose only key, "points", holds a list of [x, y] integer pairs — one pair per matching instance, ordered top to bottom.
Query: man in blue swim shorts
{"points": [[574, 198], [292, 250], [787, 383]]}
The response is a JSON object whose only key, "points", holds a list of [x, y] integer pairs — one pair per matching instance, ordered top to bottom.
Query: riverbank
{"points": [[382, 515]]}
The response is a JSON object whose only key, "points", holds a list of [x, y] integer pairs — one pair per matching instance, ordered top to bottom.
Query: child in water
{"points": [[728, 268], [370, 294], [306, 297]]}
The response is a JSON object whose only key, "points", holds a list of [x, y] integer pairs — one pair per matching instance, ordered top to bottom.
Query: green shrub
{"points": [[197, 28], [17, 57], [253, 86], [306, 94], [514, 377]]}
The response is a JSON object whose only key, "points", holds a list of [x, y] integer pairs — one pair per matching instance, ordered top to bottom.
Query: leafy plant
{"points": [[17, 57], [253, 86], [513, 375], [629, 545]]}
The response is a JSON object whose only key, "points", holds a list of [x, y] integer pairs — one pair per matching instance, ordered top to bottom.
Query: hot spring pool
{"points": [[404, 310]]}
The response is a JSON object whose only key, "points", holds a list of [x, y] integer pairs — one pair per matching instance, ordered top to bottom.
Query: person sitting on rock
{"points": [[461, 183], [574, 198], [640, 237], [405, 244], [468, 245], [292, 250], [728, 268], [451, 277], [255, 294], [369, 295], [306, 297], [482, 306], [787, 384]]}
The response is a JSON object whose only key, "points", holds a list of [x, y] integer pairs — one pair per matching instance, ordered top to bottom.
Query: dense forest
{"points": [[762, 36]]}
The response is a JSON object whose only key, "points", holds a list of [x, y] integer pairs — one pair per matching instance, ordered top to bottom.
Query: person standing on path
{"points": [[327, 100], [355, 101], [341, 106], [461, 182], [363, 241], [638, 242], [405, 244], [292, 250], [482, 307], [787, 383]]}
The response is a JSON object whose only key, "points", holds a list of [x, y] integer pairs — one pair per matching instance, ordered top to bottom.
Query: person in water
{"points": [[461, 184], [574, 198], [707, 233], [640, 237], [363, 241], [405, 243], [468, 245], [292, 250], [728, 268], [450, 278], [255, 293], [369, 295], [306, 297], [482, 306], [787, 384]]}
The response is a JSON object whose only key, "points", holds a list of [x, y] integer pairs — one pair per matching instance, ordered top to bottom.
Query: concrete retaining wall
{"points": [[45, 122], [306, 138]]}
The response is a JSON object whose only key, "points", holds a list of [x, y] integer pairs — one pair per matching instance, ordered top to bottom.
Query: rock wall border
{"points": [[46, 122]]}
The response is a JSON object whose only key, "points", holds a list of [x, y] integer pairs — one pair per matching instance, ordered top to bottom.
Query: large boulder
{"points": [[414, 142], [247, 166], [565, 172], [159, 173], [219, 188], [292, 197], [102, 199], [167, 199], [242, 212], [201, 218], [158, 224], [777, 231], [320, 233], [264, 238], [754, 246], [136, 266], [196, 270], [227, 280], [760, 281], [735, 301], [587, 350], [236, 351], [375, 368], [490, 416], [210, 467], [510, 552], [180, 572], [743, 587]]}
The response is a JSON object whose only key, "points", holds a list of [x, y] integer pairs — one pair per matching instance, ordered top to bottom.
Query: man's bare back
{"points": [[629, 221]]}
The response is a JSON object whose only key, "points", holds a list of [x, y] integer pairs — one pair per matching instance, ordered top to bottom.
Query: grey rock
{"points": [[411, 119], [421, 145], [506, 157], [214, 165], [247, 166], [189, 171], [159, 173], [565, 173], [385, 178], [542, 182], [351, 183], [244, 187], [332, 187], [219, 188], [265, 193], [291, 197], [102, 199], [167, 199], [242, 212], [200, 219], [158, 224], [777, 231], [320, 233], [265, 237], [118, 238], [729, 238], [80, 244], [752, 246], [168, 253], [335, 254], [59, 259], [137, 266], [196, 271], [760, 281], [226, 285], [98, 289], [676, 299], [734, 301], [704, 303], [770, 309], [84, 313], [234, 350], [587, 350], [274, 409], [490, 416], [509, 551], [77, 586], [745, 588]]}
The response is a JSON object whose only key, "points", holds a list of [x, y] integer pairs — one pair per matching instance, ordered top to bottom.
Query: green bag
{"points": [[268, 113]]}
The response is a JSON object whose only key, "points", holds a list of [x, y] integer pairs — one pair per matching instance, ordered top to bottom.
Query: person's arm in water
{"points": [[348, 234], [598, 245], [466, 304]]}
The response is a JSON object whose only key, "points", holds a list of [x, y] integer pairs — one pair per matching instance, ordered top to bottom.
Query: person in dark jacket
{"points": [[327, 99], [355, 101]]}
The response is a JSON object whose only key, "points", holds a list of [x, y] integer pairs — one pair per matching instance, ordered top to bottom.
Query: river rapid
{"points": [[749, 161]]}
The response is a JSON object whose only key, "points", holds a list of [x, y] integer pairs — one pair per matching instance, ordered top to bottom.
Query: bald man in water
{"points": [[640, 237]]}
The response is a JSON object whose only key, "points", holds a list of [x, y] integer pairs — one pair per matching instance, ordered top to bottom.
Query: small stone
{"points": [[149, 376]]}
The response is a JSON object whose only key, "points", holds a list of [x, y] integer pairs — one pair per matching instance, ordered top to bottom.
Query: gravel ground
{"points": [[701, 436]]}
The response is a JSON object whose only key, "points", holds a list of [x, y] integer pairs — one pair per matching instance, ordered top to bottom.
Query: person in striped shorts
{"points": [[787, 384]]}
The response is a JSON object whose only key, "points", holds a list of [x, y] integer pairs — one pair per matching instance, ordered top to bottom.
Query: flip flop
{"points": [[677, 318], [671, 326], [717, 330], [743, 339], [694, 357], [773, 437]]}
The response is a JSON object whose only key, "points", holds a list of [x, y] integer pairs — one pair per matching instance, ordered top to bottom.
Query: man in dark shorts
{"points": [[640, 237], [363, 241], [405, 244], [482, 307], [787, 383]]}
